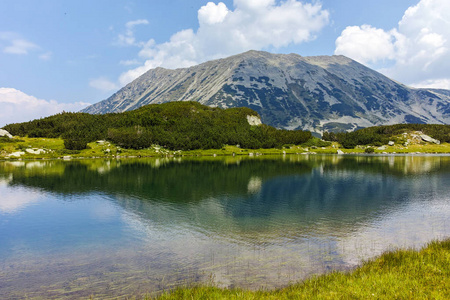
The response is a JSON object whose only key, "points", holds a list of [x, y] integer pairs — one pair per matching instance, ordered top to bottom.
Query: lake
{"points": [[71, 229]]}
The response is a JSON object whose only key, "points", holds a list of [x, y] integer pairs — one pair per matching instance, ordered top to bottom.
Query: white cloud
{"points": [[212, 13], [253, 24], [127, 38], [15, 44], [365, 44], [419, 48], [443, 83], [103, 84], [20, 107]]}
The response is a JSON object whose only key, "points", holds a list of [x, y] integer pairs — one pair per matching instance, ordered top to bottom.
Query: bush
{"points": [[71, 144], [369, 150]]}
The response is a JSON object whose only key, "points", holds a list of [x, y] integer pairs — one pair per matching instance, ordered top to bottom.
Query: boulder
{"points": [[5, 133], [429, 139], [391, 143], [339, 151], [17, 154]]}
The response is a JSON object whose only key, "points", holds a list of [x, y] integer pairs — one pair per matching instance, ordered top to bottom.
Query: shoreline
{"points": [[49, 149], [396, 274]]}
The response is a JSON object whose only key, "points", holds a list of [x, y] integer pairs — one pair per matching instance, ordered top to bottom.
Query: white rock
{"points": [[253, 120], [5, 133], [429, 139], [391, 143], [382, 148], [35, 151], [339, 151], [17, 154]]}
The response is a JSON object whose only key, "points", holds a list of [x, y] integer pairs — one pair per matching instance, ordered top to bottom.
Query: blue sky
{"points": [[63, 55]]}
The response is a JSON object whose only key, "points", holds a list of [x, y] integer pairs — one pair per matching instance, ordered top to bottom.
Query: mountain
{"points": [[288, 91]]}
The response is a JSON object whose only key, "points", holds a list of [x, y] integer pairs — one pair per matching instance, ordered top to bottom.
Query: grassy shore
{"points": [[54, 148], [400, 274]]}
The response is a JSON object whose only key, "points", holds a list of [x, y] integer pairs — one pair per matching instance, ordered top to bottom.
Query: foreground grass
{"points": [[401, 274]]}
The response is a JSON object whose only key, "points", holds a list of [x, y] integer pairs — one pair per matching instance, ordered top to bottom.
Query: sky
{"points": [[64, 55]]}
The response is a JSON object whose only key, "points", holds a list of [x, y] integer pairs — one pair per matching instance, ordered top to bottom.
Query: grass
{"points": [[55, 149], [400, 274]]}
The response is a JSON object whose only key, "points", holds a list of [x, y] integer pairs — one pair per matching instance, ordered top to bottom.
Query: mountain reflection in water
{"points": [[248, 222]]}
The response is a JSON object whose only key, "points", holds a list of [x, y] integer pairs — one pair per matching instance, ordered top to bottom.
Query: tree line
{"points": [[173, 125], [381, 135]]}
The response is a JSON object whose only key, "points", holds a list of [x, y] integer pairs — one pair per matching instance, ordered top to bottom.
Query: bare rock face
{"points": [[289, 91], [254, 120], [5, 133]]}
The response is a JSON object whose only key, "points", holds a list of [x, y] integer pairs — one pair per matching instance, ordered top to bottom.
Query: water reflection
{"points": [[247, 222]]}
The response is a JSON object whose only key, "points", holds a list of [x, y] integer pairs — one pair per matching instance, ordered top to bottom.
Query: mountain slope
{"points": [[288, 91]]}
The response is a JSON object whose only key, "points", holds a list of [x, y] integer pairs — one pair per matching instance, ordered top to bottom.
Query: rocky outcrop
{"points": [[254, 120], [5, 133]]}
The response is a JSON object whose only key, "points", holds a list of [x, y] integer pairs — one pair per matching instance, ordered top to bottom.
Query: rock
{"points": [[253, 120], [5, 133], [429, 139], [391, 143], [382, 148], [35, 151], [339, 151], [17, 154]]}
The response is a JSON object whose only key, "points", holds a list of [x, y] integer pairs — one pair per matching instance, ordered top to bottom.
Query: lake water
{"points": [[71, 229]]}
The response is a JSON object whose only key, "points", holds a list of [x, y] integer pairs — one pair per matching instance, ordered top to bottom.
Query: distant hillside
{"points": [[322, 93], [175, 125]]}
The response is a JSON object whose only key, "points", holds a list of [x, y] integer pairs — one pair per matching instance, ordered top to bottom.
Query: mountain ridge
{"points": [[289, 91]]}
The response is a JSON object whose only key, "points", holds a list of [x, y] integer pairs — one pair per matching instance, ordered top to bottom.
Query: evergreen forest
{"points": [[173, 125]]}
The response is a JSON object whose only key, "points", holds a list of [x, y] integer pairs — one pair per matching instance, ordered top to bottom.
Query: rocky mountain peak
{"points": [[288, 91]]}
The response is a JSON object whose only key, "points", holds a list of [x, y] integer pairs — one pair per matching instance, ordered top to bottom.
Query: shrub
{"points": [[369, 150]]}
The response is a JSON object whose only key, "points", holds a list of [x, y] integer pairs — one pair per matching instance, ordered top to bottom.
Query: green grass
{"points": [[57, 150], [400, 274]]}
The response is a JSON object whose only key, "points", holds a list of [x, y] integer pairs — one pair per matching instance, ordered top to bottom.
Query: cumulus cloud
{"points": [[252, 24], [366, 44], [418, 48], [103, 84], [20, 107]]}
